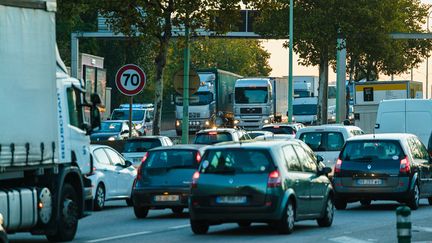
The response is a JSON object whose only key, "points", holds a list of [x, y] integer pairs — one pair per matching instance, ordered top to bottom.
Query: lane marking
{"points": [[180, 226], [421, 228], [119, 237], [346, 239]]}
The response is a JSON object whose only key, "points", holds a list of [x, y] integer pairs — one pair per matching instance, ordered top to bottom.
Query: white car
{"points": [[218, 135], [274, 137], [327, 140], [134, 149], [112, 178]]}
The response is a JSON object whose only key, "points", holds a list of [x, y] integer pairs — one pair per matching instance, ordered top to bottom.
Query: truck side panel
{"points": [[225, 90], [280, 99], [28, 117]]}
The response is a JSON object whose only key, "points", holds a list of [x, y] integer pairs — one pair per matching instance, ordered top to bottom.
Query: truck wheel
{"points": [[99, 201], [68, 223], [3, 236]]}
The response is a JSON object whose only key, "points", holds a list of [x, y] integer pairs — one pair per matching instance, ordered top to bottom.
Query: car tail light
{"points": [[212, 133], [198, 157], [144, 158], [338, 165], [405, 166], [139, 171], [195, 178], [274, 179]]}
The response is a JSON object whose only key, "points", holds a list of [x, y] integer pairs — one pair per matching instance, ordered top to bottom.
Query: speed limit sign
{"points": [[130, 79]]}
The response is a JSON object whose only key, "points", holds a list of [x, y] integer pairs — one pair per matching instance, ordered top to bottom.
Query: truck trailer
{"points": [[213, 99], [259, 101], [44, 141]]}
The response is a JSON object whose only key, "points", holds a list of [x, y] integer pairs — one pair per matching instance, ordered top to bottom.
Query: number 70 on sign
{"points": [[130, 79]]}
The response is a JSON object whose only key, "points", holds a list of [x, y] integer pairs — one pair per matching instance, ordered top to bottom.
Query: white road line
{"points": [[180, 226], [424, 229], [120, 236], [346, 239]]}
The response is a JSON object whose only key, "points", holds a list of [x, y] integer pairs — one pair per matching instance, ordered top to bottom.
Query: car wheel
{"points": [[179, 133], [414, 200], [430, 200], [99, 201], [129, 202], [365, 202], [340, 204], [177, 210], [140, 212], [69, 213], [327, 220], [244, 224], [286, 224], [199, 227]]}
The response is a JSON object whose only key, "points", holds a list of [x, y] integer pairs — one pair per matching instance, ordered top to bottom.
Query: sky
{"points": [[279, 63]]}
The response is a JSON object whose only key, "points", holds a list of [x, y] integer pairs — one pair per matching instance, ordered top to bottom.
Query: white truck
{"points": [[305, 86], [259, 101], [305, 110], [44, 141]]}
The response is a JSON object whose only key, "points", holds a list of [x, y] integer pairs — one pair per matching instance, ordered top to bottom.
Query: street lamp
{"points": [[427, 61], [290, 64]]}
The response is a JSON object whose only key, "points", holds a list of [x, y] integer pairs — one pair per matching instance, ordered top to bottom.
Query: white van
{"points": [[142, 116], [405, 116]]}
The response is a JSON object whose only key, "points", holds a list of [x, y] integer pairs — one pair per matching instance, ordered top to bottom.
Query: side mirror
{"points": [[95, 99], [95, 117], [87, 128], [124, 132], [319, 158], [128, 163], [325, 171]]}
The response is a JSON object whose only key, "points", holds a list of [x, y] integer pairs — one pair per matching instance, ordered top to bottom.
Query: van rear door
{"points": [[391, 117]]}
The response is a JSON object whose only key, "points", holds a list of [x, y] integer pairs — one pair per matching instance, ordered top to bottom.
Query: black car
{"points": [[383, 167], [164, 178]]}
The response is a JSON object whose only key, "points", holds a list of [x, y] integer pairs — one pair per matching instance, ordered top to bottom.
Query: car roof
{"points": [[109, 121], [282, 124], [329, 127], [230, 130], [382, 136], [147, 137], [252, 144], [96, 146], [181, 146]]}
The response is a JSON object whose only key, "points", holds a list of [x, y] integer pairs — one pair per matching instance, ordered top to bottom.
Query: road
{"points": [[357, 224]]}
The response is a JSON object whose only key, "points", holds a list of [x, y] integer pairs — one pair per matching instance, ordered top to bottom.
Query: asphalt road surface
{"points": [[357, 224]]}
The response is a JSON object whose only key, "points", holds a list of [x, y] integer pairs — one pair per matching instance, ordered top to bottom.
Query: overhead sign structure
{"points": [[130, 79], [194, 81]]}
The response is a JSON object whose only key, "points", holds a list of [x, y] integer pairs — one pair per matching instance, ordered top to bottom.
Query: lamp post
{"points": [[290, 60], [427, 61]]}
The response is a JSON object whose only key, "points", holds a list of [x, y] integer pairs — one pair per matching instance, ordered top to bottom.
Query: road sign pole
{"points": [[290, 62], [341, 79], [130, 116], [185, 122]]}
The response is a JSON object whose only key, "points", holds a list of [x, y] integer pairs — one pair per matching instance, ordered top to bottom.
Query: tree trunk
{"points": [[160, 65], [350, 81], [323, 87]]}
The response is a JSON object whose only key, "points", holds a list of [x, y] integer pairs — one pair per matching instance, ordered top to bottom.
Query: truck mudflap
{"points": [[88, 197]]}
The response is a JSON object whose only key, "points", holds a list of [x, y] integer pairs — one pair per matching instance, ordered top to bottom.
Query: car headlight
{"points": [[266, 121], [236, 122], [178, 123], [207, 123], [138, 126], [111, 138]]}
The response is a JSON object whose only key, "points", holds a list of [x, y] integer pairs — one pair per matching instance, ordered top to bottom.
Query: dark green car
{"points": [[275, 182]]}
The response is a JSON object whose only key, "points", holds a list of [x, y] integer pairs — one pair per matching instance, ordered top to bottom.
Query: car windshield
{"points": [[301, 93], [251, 95], [200, 98], [308, 109], [137, 115], [110, 127], [279, 129], [212, 137], [323, 141], [132, 146], [372, 150], [171, 158], [238, 161]]}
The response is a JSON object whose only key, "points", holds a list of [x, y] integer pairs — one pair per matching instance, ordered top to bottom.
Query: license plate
{"points": [[369, 181], [166, 198], [231, 199]]}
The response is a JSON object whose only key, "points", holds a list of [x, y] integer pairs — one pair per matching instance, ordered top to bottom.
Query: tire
{"points": [[179, 133], [414, 200], [430, 200], [99, 201], [129, 202], [365, 203], [340, 204], [177, 210], [140, 212], [69, 214], [327, 219], [244, 224], [286, 224], [199, 227], [3, 236]]}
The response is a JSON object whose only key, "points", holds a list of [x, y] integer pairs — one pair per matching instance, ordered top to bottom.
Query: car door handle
{"points": [[187, 182]]}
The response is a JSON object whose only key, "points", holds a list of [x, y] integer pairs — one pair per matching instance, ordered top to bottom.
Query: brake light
{"points": [[212, 133], [198, 157], [144, 158], [338, 165], [405, 166], [139, 171], [195, 178], [274, 179]]}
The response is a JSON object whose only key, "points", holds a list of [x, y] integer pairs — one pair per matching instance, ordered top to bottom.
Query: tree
{"points": [[154, 21], [366, 24]]}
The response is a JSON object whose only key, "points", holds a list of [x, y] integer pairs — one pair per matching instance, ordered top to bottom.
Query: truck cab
{"points": [[305, 110], [142, 116]]}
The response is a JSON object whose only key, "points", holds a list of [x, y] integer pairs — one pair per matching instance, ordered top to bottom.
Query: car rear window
{"points": [[279, 130], [212, 137], [323, 141], [132, 146], [372, 150], [173, 158], [239, 161]]}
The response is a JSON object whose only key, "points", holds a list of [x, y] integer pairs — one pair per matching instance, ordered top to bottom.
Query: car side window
{"points": [[414, 148], [423, 154], [101, 157], [115, 158], [292, 161], [306, 161]]}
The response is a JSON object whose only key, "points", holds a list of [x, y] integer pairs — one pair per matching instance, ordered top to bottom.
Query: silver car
{"points": [[134, 149]]}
